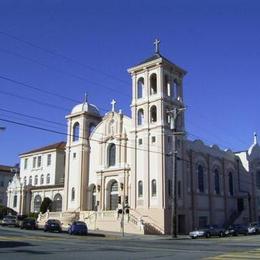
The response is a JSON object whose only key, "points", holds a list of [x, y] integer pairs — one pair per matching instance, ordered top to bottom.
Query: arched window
{"points": [[153, 84], [167, 86], [140, 88], [175, 89], [153, 111], [140, 117], [91, 128], [75, 135], [111, 155], [48, 178], [42, 179], [200, 179], [25, 180], [30, 180], [36, 180], [258, 180], [217, 181], [230, 184], [153, 188], [140, 189], [73, 194], [113, 195], [94, 200], [15, 201], [37, 203], [57, 203]]}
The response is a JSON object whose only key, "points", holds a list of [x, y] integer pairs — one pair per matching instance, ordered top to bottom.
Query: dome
{"points": [[85, 107]]}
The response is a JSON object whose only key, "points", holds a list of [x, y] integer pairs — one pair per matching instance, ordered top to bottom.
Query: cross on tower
{"points": [[157, 45], [113, 103]]}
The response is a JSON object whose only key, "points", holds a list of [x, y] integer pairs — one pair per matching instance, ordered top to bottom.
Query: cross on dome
{"points": [[157, 45], [113, 103]]}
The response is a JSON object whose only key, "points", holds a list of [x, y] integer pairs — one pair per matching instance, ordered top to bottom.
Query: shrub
{"points": [[46, 205]]}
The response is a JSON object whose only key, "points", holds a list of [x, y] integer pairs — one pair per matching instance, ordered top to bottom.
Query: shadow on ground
{"points": [[12, 244]]}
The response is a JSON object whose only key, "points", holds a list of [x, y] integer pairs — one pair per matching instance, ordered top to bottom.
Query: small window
{"points": [[75, 135], [153, 139], [140, 141], [74, 155], [48, 159], [39, 161], [34, 162], [25, 163], [48, 178], [42, 179], [30, 180], [36, 180], [25, 181], [217, 182], [2, 184], [154, 188], [140, 189], [73, 194]]}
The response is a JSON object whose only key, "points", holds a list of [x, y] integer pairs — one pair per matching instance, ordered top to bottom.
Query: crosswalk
{"points": [[244, 255]]}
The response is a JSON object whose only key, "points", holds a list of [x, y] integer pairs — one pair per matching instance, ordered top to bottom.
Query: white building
{"points": [[114, 160]]}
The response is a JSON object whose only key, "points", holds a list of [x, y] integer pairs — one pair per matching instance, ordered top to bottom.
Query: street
{"points": [[26, 244]]}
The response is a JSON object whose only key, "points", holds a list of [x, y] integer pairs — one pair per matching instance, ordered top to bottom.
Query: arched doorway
{"points": [[113, 195], [37, 203], [57, 203]]}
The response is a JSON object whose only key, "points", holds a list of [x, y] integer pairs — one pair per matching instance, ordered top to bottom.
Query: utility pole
{"points": [[173, 126]]}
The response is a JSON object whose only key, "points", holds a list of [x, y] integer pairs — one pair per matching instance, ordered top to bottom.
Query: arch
{"points": [[153, 84], [167, 86], [175, 87], [140, 88], [153, 114], [140, 117], [91, 128], [75, 134], [111, 156], [48, 178], [200, 178], [42, 179], [36, 180], [217, 181], [230, 183], [154, 188], [140, 189], [73, 194], [112, 195], [37, 203], [57, 203]]}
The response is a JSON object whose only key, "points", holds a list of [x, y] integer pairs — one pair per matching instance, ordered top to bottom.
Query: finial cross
{"points": [[157, 45], [113, 103]]}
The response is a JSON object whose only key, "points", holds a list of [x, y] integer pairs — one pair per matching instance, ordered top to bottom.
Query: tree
{"points": [[46, 205], [5, 211]]}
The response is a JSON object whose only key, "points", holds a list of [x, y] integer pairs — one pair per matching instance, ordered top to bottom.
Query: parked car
{"points": [[20, 219], [9, 220], [29, 223], [52, 225], [78, 228], [254, 228], [236, 229], [208, 231]]}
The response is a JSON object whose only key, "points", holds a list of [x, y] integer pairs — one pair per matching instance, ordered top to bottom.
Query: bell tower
{"points": [[156, 90], [83, 118]]}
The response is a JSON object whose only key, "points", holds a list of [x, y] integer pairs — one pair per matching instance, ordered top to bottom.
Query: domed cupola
{"points": [[85, 107], [254, 150]]}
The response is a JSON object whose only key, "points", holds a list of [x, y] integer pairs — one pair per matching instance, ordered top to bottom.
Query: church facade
{"points": [[143, 163]]}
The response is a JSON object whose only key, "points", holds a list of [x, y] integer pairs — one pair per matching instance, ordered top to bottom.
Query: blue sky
{"points": [[73, 47]]}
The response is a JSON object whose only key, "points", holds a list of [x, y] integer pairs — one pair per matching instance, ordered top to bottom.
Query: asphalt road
{"points": [[16, 244]]}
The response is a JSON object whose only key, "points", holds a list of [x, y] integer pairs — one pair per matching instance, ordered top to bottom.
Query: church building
{"points": [[140, 169]]}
